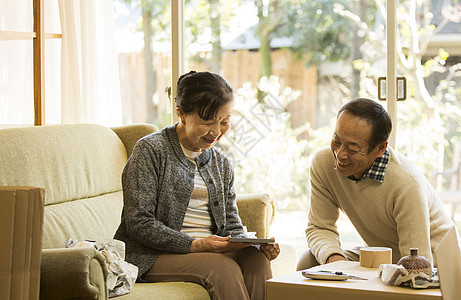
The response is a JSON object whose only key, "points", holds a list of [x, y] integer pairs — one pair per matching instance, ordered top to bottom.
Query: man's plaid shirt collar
{"points": [[377, 169]]}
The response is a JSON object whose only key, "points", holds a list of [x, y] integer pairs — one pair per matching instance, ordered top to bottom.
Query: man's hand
{"points": [[215, 243], [271, 251], [335, 257]]}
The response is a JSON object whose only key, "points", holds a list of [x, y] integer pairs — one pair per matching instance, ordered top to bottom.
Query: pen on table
{"points": [[341, 273]]}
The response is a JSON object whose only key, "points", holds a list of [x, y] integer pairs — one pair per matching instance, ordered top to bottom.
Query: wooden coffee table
{"points": [[296, 286]]}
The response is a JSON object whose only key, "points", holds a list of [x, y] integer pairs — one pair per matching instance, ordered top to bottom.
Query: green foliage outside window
{"points": [[267, 155]]}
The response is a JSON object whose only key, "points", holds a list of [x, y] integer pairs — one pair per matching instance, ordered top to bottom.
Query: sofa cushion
{"points": [[68, 161], [95, 218], [167, 290]]}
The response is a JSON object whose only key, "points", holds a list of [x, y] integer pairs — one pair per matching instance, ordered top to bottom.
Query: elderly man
{"points": [[388, 200]]}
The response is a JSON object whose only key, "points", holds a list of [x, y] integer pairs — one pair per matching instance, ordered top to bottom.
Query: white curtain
{"points": [[16, 65], [89, 72]]}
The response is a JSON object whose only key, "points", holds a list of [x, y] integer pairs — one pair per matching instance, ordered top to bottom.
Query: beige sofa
{"points": [[79, 166]]}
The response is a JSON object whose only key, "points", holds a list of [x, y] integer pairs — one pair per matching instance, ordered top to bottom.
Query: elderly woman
{"points": [[179, 201]]}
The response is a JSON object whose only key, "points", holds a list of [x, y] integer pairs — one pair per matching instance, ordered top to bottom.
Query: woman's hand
{"points": [[215, 243], [271, 251]]}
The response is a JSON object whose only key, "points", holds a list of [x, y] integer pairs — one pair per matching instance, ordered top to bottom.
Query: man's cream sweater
{"points": [[402, 212]]}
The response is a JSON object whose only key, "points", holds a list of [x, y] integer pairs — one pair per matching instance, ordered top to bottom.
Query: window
{"points": [[22, 44], [144, 55], [292, 65]]}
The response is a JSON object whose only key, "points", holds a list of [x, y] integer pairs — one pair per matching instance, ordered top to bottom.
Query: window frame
{"points": [[38, 36]]}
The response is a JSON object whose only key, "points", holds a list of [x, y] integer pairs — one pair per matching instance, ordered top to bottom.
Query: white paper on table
{"points": [[399, 276]]}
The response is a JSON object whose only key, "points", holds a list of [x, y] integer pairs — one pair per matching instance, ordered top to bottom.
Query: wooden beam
{"points": [[16, 35], [21, 35], [53, 35], [38, 36], [177, 50], [39, 63], [391, 82]]}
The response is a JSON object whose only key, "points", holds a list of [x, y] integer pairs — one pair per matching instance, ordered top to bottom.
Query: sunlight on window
{"points": [[292, 67]]}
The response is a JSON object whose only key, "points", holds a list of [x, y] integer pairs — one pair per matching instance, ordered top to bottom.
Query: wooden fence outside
{"points": [[238, 67]]}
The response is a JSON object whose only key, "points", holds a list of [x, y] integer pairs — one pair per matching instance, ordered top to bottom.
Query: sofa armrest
{"points": [[130, 134], [257, 212], [73, 273]]}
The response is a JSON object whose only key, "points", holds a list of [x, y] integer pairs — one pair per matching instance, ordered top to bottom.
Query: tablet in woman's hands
{"points": [[251, 240]]}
